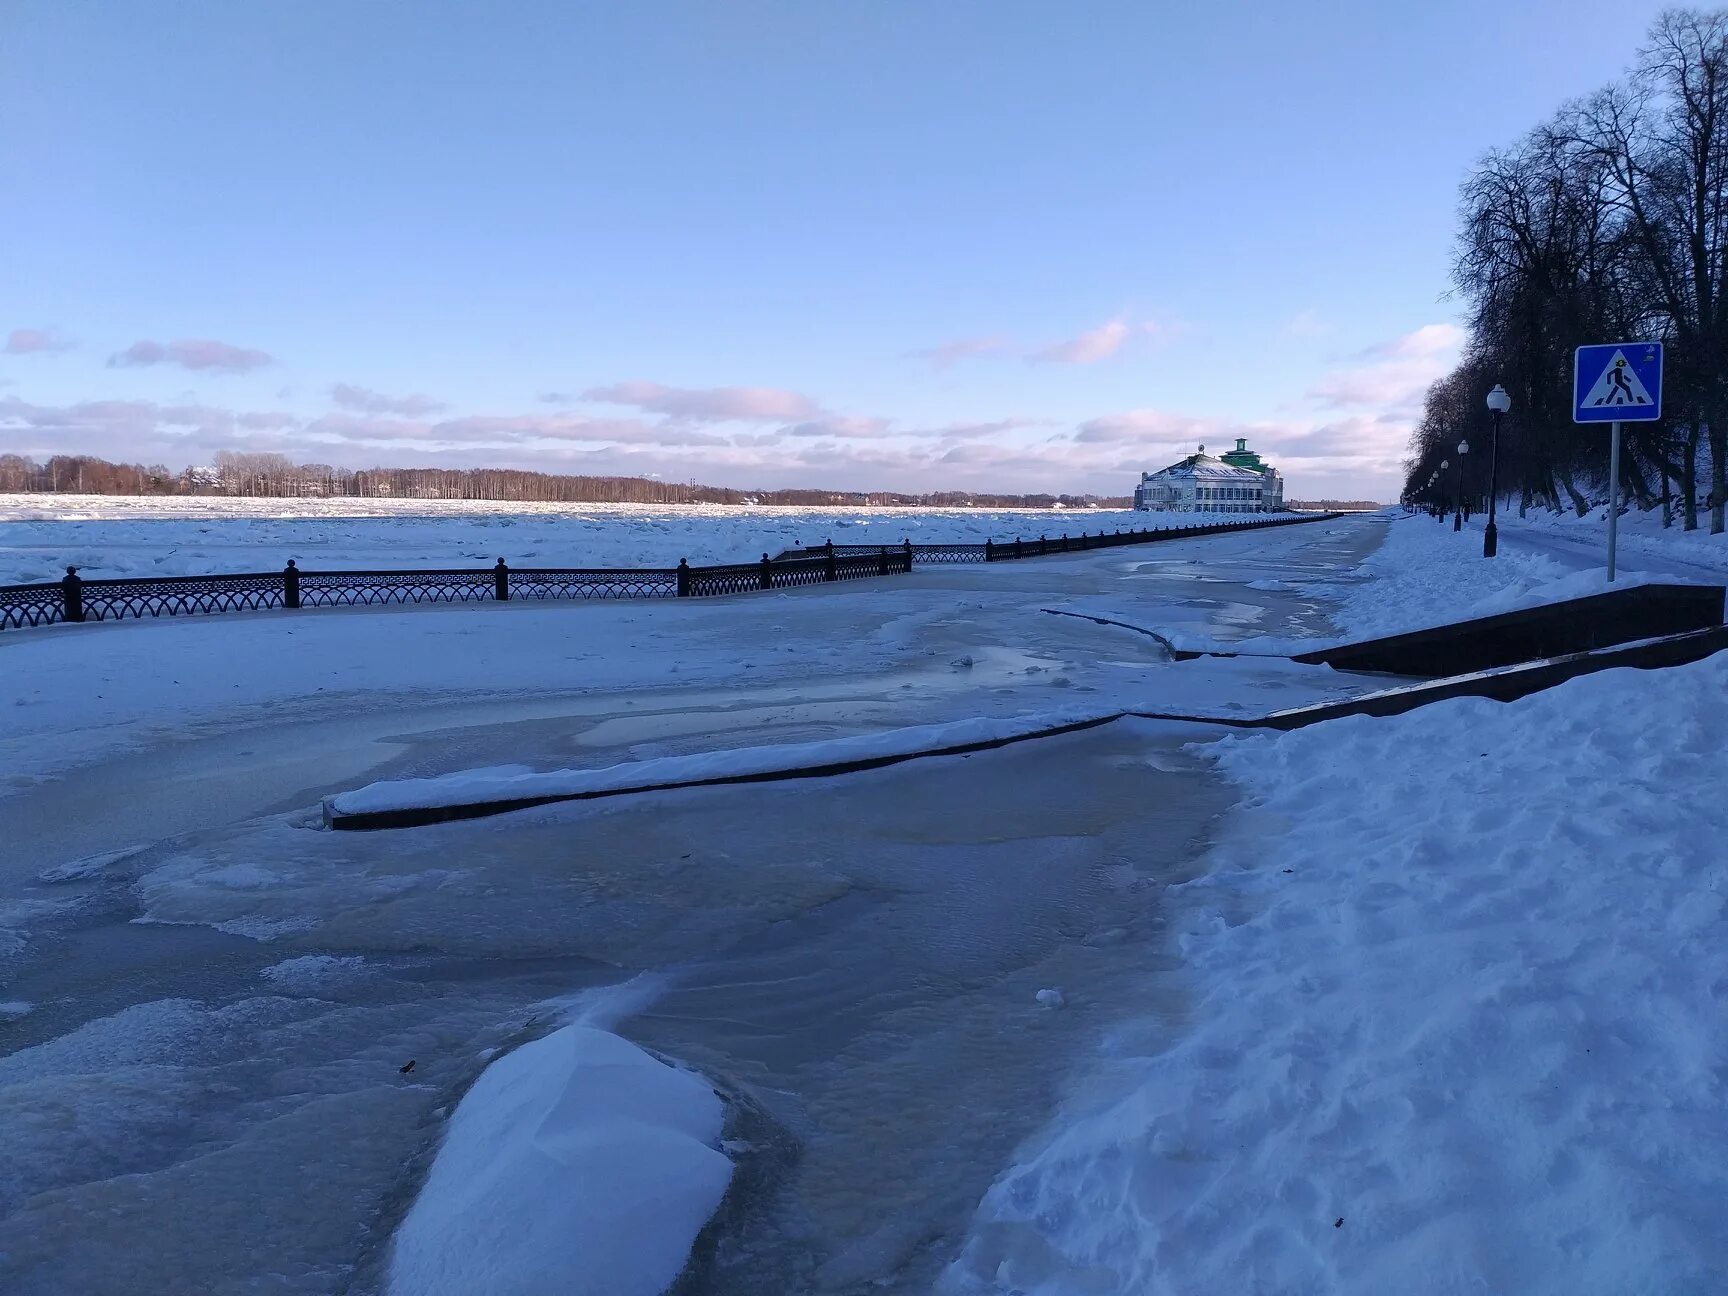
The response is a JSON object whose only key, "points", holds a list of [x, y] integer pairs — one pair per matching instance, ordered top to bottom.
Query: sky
{"points": [[949, 245]]}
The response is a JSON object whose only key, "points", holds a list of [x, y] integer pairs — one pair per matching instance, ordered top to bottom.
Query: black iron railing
{"points": [[75, 599]]}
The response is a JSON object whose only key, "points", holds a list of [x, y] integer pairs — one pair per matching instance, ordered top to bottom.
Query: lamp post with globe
{"points": [[1498, 403], [1458, 515]]}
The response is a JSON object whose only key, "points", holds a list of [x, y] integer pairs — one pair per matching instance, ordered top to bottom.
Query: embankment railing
{"points": [[75, 599]]}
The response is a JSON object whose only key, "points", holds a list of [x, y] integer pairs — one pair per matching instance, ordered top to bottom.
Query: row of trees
{"points": [[1608, 222], [276, 476]]}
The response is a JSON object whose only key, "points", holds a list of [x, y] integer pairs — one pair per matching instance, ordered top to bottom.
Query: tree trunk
{"points": [[1718, 470], [1689, 477], [1667, 498], [1579, 503]]}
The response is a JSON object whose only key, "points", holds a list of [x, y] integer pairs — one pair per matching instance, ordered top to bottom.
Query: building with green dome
{"points": [[1238, 481]]}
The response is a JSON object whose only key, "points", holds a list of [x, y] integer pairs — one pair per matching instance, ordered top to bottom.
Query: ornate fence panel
{"points": [[797, 571], [734, 578], [591, 583], [366, 588], [159, 596], [30, 605]]}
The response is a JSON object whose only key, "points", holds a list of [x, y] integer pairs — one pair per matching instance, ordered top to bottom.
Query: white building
{"points": [[1236, 482]]}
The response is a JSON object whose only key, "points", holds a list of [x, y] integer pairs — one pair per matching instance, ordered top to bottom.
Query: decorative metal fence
{"points": [[75, 599]]}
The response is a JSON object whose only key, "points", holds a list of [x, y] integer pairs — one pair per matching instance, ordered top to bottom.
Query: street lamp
{"points": [[1498, 403], [1458, 517]]}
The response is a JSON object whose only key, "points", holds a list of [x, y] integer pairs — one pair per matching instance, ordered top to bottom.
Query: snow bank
{"points": [[517, 782], [1456, 1023], [577, 1164]]}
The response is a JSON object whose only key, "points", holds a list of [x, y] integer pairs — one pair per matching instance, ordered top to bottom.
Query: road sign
{"points": [[1617, 382]]}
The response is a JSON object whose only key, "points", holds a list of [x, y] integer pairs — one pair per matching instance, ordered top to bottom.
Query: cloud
{"points": [[1307, 324], [34, 341], [1428, 342], [1089, 348], [191, 353], [951, 353], [1392, 375], [367, 401], [709, 404], [840, 425], [1140, 426], [971, 431]]}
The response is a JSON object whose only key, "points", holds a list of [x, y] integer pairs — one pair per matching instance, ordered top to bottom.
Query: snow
{"points": [[1640, 534], [120, 536], [1425, 574], [514, 782], [313, 972], [1456, 982], [577, 1164]]}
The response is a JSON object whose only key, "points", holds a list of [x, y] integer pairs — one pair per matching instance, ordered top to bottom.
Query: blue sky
{"points": [[1010, 246]]}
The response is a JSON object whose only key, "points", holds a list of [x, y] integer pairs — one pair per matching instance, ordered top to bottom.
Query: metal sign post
{"points": [[1614, 383], [1613, 494]]}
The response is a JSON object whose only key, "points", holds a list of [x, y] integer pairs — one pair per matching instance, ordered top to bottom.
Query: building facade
{"points": [[1238, 481]]}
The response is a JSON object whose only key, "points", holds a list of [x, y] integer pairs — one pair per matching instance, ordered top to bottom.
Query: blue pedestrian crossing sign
{"points": [[1617, 382]]}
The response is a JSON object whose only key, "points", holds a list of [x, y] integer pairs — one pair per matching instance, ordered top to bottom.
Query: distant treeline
{"points": [[274, 476], [1332, 505]]}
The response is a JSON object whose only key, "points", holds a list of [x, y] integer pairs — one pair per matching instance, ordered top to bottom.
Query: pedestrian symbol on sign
{"points": [[1618, 386]]}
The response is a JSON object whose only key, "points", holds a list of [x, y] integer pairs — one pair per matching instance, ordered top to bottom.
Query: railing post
{"points": [[1064, 542], [1016, 546], [1043, 546], [906, 548], [989, 550], [882, 563], [833, 572], [767, 573], [683, 578], [501, 582], [290, 585], [72, 595]]}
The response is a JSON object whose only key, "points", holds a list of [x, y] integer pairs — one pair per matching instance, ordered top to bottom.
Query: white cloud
{"points": [[1090, 347], [951, 353], [201, 354], [367, 401], [708, 404]]}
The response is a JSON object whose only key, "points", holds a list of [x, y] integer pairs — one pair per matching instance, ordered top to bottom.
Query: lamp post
{"points": [[1498, 403], [1433, 509], [1458, 517]]}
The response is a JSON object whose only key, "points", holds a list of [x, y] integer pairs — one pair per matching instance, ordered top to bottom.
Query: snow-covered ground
{"points": [[1641, 534], [113, 536], [1457, 989], [1471, 1022]]}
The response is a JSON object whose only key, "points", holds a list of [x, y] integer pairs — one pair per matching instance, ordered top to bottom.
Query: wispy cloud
{"points": [[1307, 324], [35, 341], [1090, 347], [200, 354], [949, 354], [1392, 375], [367, 401], [709, 404], [845, 427]]}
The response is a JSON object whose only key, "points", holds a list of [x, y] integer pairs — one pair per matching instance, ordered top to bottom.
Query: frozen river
{"points": [[207, 1090]]}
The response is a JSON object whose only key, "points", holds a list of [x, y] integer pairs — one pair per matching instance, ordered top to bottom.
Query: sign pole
{"points": [[1613, 495]]}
